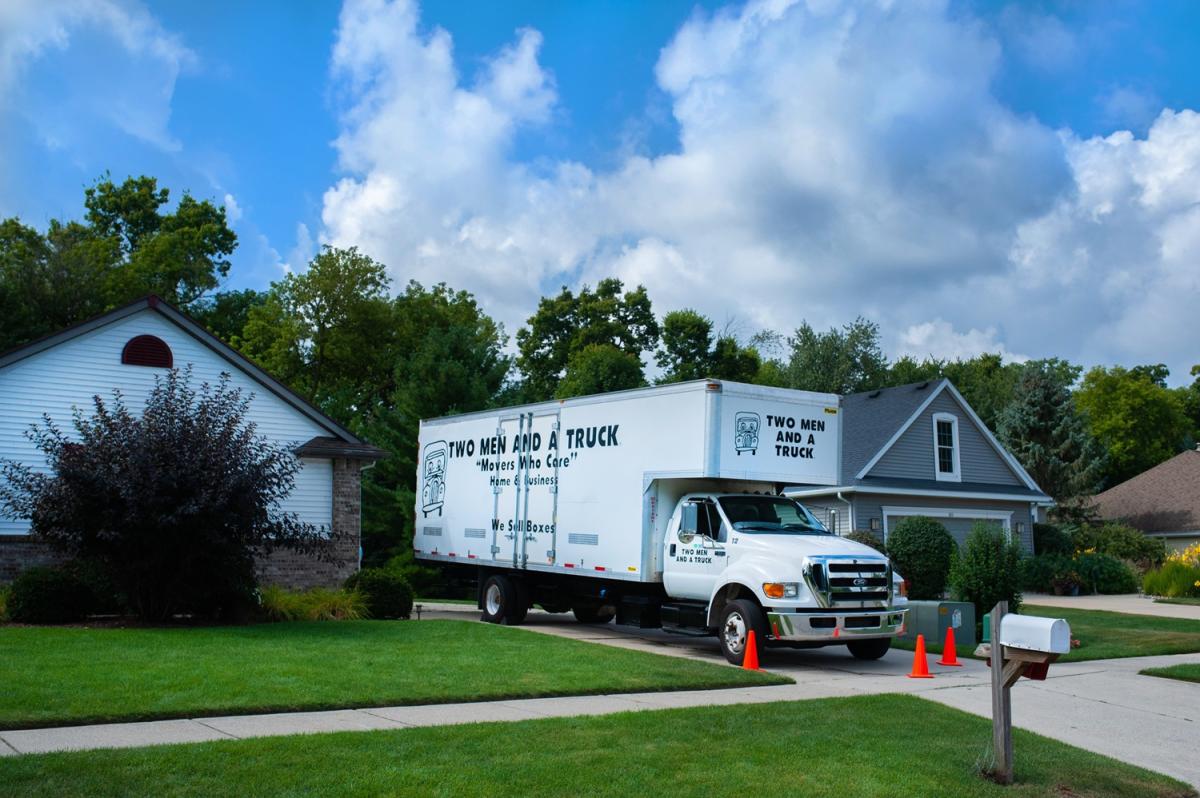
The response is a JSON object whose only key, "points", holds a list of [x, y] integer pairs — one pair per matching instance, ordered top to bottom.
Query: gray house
{"points": [[921, 450]]}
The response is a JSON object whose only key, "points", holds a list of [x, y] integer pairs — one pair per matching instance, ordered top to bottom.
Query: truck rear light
{"points": [[451, 554], [471, 557], [568, 565], [599, 567]]}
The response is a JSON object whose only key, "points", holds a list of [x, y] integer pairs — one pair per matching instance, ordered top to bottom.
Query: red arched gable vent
{"points": [[147, 350]]}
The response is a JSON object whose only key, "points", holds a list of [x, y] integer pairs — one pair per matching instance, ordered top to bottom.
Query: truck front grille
{"points": [[847, 582]]}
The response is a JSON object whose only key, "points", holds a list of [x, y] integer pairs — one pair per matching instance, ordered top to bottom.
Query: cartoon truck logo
{"points": [[745, 432], [433, 495]]}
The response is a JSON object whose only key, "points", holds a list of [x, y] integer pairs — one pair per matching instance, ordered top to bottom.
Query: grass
{"points": [[1191, 602], [1103, 635], [1109, 635], [1187, 672], [59, 676], [831, 748]]}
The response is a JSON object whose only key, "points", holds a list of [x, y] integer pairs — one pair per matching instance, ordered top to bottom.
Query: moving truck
{"points": [[659, 507]]}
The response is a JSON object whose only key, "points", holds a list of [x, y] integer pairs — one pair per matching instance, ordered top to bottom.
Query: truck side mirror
{"points": [[688, 522]]}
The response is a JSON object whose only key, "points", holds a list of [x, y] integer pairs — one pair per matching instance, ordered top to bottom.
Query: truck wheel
{"points": [[501, 601], [586, 613], [737, 619], [869, 649]]}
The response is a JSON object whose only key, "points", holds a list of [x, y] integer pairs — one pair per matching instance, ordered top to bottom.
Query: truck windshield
{"points": [[772, 514]]}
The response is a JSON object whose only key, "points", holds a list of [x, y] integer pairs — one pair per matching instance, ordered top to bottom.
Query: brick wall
{"points": [[18, 552], [286, 568], [300, 572]]}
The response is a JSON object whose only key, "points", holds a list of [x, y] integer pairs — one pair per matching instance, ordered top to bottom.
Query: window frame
{"points": [[956, 474]]}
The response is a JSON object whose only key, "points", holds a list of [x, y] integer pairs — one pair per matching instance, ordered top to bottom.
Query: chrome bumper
{"points": [[831, 626]]}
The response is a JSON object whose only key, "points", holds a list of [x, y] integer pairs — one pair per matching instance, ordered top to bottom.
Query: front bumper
{"points": [[830, 626]]}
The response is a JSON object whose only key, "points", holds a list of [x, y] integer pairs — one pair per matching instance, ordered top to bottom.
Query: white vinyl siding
{"points": [[67, 376]]}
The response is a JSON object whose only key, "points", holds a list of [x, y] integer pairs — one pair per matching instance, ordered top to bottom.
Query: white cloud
{"points": [[122, 76], [835, 159], [233, 211], [938, 339]]}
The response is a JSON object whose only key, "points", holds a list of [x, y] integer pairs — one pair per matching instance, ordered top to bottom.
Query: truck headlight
{"points": [[778, 590]]}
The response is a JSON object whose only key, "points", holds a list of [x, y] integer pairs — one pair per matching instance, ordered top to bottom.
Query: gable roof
{"points": [[156, 304], [875, 420], [1165, 498]]}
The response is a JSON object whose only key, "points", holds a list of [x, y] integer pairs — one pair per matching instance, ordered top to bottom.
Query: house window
{"points": [[147, 350], [945, 447]]}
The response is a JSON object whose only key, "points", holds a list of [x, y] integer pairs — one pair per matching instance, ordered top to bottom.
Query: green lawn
{"points": [[1191, 602], [1104, 635], [1107, 635], [1185, 673], [55, 676], [887, 745]]}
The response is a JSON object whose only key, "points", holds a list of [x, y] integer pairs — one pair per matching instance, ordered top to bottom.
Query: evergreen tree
{"points": [[1048, 436]]}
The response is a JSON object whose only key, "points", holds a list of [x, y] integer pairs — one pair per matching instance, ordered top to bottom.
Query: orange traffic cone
{"points": [[949, 655], [750, 660], [920, 668]]}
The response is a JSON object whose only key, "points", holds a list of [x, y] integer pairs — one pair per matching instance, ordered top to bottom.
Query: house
{"points": [[127, 349], [920, 449], [1163, 502]]}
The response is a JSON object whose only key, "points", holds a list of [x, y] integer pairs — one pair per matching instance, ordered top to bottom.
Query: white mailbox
{"points": [[1031, 633]]}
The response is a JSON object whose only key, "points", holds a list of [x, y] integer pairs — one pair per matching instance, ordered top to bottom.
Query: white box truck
{"points": [[659, 507]]}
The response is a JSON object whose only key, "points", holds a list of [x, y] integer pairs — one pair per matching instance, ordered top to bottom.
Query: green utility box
{"points": [[933, 618]]}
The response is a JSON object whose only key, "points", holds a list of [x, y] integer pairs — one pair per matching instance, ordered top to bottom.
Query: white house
{"points": [[126, 349]]}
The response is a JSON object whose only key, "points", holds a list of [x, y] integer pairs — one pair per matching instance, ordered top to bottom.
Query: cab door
{"points": [[694, 555]]}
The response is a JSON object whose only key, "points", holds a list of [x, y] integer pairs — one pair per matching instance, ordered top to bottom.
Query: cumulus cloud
{"points": [[122, 75], [834, 159], [939, 340]]}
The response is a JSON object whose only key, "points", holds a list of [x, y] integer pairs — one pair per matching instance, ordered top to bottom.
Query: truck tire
{"points": [[502, 601], [587, 613], [734, 625], [869, 649]]}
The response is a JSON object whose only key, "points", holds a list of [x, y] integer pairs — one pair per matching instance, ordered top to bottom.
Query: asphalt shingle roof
{"points": [[871, 418], [1164, 499]]}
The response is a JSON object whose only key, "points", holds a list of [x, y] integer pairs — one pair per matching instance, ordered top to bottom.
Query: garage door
{"points": [[957, 522]]}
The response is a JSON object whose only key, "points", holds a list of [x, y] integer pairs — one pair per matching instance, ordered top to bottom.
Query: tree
{"points": [[126, 248], [225, 313], [566, 324], [328, 332], [688, 352], [448, 357], [842, 361], [600, 368], [988, 383], [1189, 398], [1139, 422], [1048, 436], [173, 505]]}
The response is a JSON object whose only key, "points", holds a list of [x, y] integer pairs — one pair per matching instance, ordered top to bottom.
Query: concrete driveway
{"points": [[1104, 706]]}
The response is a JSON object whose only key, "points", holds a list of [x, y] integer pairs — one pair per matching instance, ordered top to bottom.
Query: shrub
{"points": [[174, 505], [868, 539], [1052, 539], [1121, 541], [921, 550], [988, 570], [1038, 572], [1102, 573], [1176, 579], [425, 581], [5, 593], [387, 593], [48, 595], [318, 604]]}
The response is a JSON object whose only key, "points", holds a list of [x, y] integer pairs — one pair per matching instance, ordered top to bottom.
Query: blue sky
{"points": [[965, 144]]}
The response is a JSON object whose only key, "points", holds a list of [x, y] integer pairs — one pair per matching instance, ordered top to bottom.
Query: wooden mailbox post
{"points": [[1026, 645]]}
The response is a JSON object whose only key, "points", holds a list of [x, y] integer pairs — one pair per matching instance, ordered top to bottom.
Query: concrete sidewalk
{"points": [[1128, 603]]}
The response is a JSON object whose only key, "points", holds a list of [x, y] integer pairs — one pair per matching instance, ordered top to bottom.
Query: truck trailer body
{"points": [[659, 506]]}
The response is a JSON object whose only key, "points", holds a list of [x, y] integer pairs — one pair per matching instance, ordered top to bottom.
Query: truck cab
{"points": [[737, 562]]}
